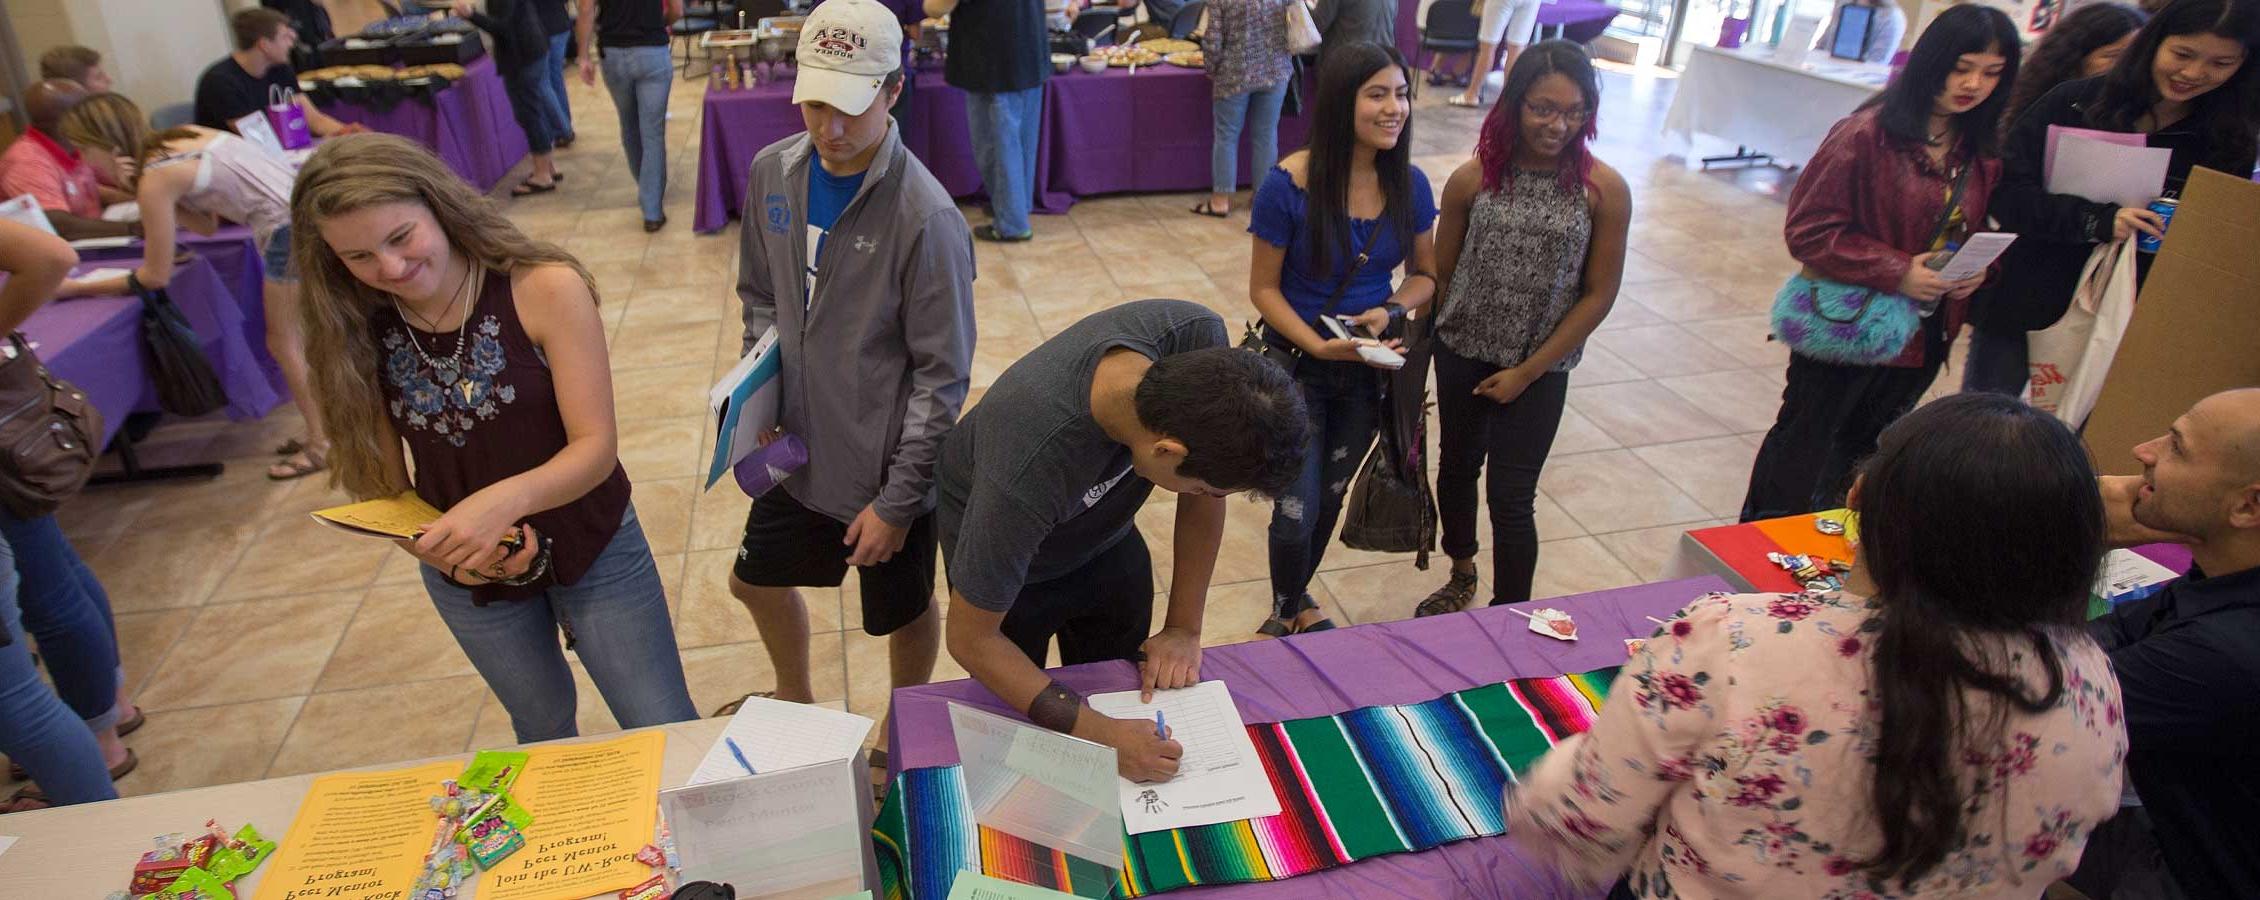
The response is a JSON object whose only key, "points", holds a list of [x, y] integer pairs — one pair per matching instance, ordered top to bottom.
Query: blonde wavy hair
{"points": [[112, 125], [336, 309]]}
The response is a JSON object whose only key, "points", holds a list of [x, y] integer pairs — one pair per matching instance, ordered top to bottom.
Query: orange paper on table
{"points": [[1796, 534], [594, 805], [358, 836]]}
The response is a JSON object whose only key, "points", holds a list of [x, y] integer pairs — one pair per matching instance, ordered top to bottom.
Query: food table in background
{"points": [[1579, 21], [1765, 107], [468, 124], [96, 343], [1737, 553], [1329, 672]]}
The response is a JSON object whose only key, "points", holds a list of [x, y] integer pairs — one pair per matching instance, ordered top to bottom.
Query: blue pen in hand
{"points": [[1161, 728], [739, 755]]}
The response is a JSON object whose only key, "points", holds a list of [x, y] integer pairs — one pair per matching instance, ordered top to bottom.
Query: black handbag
{"points": [[186, 384], [1392, 506]]}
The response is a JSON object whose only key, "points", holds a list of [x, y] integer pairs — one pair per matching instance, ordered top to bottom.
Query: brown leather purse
{"points": [[49, 431]]}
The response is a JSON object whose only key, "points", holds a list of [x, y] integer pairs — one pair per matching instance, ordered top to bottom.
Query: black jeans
{"points": [[527, 89], [1344, 402], [1830, 418], [1507, 444], [1100, 611]]}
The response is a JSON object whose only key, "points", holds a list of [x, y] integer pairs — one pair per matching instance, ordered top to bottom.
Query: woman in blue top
{"points": [[1331, 224]]}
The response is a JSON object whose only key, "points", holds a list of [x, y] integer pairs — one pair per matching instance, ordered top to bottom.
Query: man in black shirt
{"points": [[1000, 54], [639, 70], [240, 83], [2188, 659]]}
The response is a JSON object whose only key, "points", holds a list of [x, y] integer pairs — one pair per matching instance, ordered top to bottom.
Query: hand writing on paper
{"points": [[1173, 660], [1139, 753]]}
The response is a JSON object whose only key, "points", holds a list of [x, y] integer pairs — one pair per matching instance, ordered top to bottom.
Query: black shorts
{"points": [[789, 545], [1100, 611]]}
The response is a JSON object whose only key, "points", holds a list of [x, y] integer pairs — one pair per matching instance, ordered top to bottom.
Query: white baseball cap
{"points": [[847, 47]]}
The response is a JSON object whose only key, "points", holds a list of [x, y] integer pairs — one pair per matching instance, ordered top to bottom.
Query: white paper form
{"points": [[2106, 172], [1978, 251], [2125, 573], [774, 734], [1220, 779]]}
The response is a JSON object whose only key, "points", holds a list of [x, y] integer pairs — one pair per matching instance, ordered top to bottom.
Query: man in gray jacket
{"points": [[855, 254]]}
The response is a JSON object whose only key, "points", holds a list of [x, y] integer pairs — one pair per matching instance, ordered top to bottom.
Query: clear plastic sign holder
{"points": [[1041, 786], [800, 834]]}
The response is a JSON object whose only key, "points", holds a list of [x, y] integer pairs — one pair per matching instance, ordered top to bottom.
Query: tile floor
{"points": [[261, 644]]}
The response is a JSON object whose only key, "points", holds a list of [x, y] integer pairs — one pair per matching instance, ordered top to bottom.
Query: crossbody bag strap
{"points": [[1953, 202]]}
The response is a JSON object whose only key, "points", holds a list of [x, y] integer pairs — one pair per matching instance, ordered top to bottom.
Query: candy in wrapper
{"points": [[1826, 525], [1554, 623], [1633, 646], [493, 771], [491, 839], [176, 854], [240, 855], [651, 855], [197, 884], [655, 889]]}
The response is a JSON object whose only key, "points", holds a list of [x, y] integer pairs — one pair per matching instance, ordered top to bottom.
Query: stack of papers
{"points": [[2104, 166], [396, 518], [774, 735], [1220, 778]]}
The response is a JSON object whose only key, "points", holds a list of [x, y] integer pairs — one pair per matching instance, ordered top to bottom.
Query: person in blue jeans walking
{"points": [[557, 25], [1000, 55], [639, 70], [1248, 72], [1331, 224], [449, 339], [50, 733]]}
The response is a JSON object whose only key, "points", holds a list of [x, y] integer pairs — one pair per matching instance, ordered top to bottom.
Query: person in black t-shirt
{"points": [[1000, 54], [639, 71], [240, 83]]}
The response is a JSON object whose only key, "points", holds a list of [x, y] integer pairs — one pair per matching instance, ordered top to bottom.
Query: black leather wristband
{"points": [[1055, 707]]}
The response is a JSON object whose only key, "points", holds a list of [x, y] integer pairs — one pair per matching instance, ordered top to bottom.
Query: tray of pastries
{"points": [[1167, 46], [1133, 55], [1189, 59]]}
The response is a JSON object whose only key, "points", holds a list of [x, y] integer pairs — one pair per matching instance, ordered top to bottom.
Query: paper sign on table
{"points": [[2059, 132], [2106, 172], [1979, 251], [100, 273], [392, 518], [775, 735], [1220, 778], [1028, 801], [594, 806], [793, 833], [358, 836], [971, 885]]}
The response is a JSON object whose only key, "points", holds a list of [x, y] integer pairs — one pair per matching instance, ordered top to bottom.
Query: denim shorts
{"points": [[277, 257]]}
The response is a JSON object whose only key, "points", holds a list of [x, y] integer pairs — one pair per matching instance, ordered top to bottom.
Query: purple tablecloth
{"points": [[1579, 20], [469, 124], [1148, 131], [235, 257], [95, 343], [1329, 672]]}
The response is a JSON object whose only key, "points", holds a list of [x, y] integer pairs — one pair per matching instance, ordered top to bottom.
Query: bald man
{"points": [[48, 168], [2188, 661]]}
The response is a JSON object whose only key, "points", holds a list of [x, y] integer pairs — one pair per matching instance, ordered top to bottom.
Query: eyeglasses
{"points": [[1574, 115]]}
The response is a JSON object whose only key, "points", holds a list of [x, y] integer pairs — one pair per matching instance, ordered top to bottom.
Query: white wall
{"points": [[153, 49]]}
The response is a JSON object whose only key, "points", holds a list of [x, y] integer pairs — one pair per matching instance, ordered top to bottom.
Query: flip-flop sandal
{"points": [[1463, 102], [528, 188], [1206, 210], [289, 447], [305, 463], [1320, 625], [731, 708], [132, 761], [27, 795]]}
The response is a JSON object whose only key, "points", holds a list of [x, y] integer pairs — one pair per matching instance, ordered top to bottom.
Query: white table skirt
{"points": [[1746, 99]]}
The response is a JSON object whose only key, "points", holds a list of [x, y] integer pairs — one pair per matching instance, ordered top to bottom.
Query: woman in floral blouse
{"points": [[1943, 728]]}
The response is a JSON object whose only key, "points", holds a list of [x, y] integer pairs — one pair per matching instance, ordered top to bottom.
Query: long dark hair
{"points": [[1970, 28], [2060, 53], [2231, 112], [1502, 128], [1333, 151], [1978, 516]]}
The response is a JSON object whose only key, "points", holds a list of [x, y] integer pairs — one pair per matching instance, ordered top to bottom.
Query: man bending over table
{"points": [[1040, 488], [2188, 661]]}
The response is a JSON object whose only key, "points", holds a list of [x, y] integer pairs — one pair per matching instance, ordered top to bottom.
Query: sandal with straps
{"points": [[306, 461], [1456, 594]]}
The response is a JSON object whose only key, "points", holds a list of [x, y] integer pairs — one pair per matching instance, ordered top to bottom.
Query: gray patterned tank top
{"points": [[1521, 268]]}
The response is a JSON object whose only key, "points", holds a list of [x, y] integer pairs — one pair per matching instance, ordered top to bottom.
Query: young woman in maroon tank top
{"points": [[442, 335]]}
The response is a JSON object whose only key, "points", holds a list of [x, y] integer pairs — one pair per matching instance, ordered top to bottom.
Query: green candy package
{"points": [[492, 771], [495, 830], [240, 855], [197, 884]]}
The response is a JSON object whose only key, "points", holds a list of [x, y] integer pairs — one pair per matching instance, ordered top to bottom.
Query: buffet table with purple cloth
{"points": [[1579, 21], [468, 124], [1146, 131], [234, 255], [95, 343], [1329, 672]]}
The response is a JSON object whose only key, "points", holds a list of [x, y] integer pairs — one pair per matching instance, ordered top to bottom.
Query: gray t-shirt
{"points": [[1031, 487]]}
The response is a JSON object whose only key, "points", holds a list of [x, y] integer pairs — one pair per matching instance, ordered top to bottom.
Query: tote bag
{"points": [[1302, 29], [289, 121], [2068, 360]]}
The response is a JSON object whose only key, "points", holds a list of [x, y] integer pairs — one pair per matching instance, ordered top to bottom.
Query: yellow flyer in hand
{"points": [[393, 518], [594, 805], [358, 836]]}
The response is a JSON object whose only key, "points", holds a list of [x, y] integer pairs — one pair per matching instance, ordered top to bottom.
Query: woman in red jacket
{"points": [[1867, 213]]}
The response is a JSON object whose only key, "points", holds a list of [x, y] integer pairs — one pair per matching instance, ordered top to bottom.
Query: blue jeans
{"points": [[639, 79], [528, 90], [560, 109], [1259, 111], [1006, 128], [1998, 362], [1344, 402], [66, 609], [616, 617], [37, 730]]}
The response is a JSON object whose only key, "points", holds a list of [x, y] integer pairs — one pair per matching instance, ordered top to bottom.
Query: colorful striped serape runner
{"points": [[1360, 784]]}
